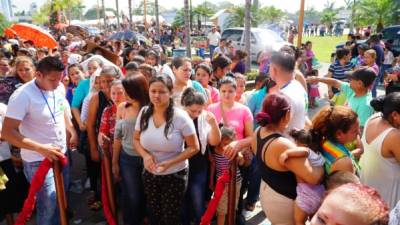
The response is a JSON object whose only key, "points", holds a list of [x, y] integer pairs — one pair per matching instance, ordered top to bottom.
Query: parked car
{"points": [[93, 30], [393, 33], [260, 39]]}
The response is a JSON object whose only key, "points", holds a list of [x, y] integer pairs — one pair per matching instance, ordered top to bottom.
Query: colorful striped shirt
{"points": [[332, 152]]}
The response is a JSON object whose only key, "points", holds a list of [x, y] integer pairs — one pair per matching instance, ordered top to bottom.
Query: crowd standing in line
{"points": [[173, 126]]}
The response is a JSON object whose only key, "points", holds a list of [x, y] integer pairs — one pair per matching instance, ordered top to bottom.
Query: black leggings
{"points": [[93, 168], [164, 195]]}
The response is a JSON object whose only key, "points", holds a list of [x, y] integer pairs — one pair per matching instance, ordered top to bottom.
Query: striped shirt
{"points": [[339, 71], [333, 151], [222, 164]]}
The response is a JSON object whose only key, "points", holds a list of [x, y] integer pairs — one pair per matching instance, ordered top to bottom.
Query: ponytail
{"points": [[263, 119], [329, 121]]}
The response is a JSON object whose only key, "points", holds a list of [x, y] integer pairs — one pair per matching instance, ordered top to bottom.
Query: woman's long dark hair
{"points": [[137, 88], [169, 113]]}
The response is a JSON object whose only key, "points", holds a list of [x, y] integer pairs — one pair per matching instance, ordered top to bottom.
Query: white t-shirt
{"points": [[214, 38], [218, 51], [389, 58], [299, 103], [28, 104], [153, 139]]}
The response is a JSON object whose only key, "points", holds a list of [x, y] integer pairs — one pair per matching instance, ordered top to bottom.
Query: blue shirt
{"points": [[380, 54], [339, 70], [197, 86], [80, 93], [255, 103]]}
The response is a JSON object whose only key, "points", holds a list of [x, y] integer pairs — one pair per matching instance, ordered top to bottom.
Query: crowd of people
{"points": [[172, 128]]}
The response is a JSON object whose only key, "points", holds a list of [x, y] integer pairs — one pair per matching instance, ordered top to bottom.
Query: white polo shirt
{"points": [[214, 38], [42, 116]]}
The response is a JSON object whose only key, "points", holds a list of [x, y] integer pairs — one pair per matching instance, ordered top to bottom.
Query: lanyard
{"points": [[287, 84], [48, 106]]}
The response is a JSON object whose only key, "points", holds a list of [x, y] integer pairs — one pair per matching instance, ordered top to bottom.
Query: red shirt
{"points": [[108, 119]]}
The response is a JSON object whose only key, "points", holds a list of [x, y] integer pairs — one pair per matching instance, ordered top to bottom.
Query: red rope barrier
{"points": [[36, 185], [212, 206]]}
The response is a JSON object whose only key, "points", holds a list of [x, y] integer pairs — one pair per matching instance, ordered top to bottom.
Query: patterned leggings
{"points": [[165, 194]]}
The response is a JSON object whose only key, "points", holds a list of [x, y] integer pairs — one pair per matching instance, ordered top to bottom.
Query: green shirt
{"points": [[359, 104]]}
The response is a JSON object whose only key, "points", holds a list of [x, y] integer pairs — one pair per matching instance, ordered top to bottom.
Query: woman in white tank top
{"points": [[380, 163]]}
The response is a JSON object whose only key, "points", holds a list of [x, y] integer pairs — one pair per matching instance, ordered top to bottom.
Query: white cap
{"points": [[74, 58]]}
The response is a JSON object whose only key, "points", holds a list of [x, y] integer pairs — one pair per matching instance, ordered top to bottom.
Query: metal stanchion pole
{"points": [[232, 193], [61, 197]]}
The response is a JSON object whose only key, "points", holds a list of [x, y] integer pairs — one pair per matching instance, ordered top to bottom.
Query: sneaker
{"points": [[87, 184]]}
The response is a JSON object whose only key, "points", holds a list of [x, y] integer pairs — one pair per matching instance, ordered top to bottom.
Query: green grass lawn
{"points": [[324, 46]]}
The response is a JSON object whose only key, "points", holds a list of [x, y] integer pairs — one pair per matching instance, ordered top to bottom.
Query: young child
{"points": [[309, 55], [313, 90], [357, 92], [220, 164], [309, 196]]}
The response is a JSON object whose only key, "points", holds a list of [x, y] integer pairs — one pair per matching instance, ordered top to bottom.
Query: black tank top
{"points": [[282, 182]]}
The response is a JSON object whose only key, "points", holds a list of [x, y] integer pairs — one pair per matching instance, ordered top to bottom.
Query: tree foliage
{"points": [[52, 11], [378, 12], [91, 14], [267, 14], [270, 14], [311, 15], [179, 20], [4, 23]]}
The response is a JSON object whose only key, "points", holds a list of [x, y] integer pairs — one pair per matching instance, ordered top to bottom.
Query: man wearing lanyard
{"points": [[282, 72], [36, 121]]}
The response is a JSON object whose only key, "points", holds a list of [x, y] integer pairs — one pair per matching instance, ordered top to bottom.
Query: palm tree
{"points": [[351, 4], [117, 8], [204, 11], [379, 11], [130, 13], [104, 14], [271, 14], [237, 16], [328, 17], [157, 19], [187, 28], [247, 28]]}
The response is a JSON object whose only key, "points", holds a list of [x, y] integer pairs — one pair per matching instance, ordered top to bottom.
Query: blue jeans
{"points": [[212, 48], [253, 191], [133, 197], [195, 205], [47, 212]]}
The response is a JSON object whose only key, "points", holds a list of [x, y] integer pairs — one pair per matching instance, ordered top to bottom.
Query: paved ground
{"points": [[83, 216]]}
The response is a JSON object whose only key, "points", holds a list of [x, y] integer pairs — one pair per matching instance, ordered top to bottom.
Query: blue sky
{"points": [[289, 5]]}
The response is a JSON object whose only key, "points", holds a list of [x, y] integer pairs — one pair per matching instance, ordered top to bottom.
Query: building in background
{"points": [[33, 8], [6, 9]]}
